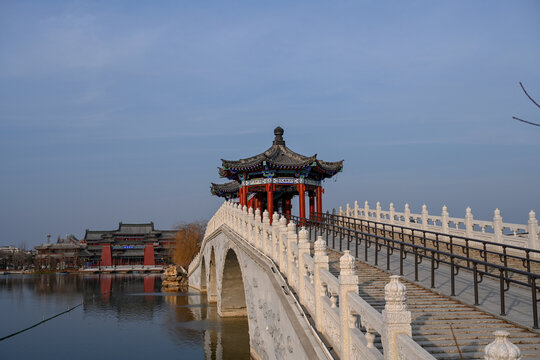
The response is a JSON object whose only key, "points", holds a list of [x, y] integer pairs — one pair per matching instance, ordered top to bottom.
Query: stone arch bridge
{"points": [[296, 308]]}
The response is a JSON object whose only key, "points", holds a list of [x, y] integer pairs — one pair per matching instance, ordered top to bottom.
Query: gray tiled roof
{"points": [[279, 156], [227, 188], [129, 229]]}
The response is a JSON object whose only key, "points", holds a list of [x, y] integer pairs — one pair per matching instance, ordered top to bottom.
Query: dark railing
{"points": [[455, 251]]}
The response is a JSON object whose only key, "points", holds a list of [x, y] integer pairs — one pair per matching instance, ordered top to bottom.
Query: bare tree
{"points": [[534, 102], [188, 242]]}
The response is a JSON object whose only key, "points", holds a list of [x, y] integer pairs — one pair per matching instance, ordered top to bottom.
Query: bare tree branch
{"points": [[526, 93], [534, 102], [525, 121]]}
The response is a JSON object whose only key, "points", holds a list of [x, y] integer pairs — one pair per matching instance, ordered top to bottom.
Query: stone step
{"points": [[432, 314]]}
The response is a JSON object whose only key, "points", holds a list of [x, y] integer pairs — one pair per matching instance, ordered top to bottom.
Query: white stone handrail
{"points": [[495, 230], [369, 317], [346, 320], [410, 350]]}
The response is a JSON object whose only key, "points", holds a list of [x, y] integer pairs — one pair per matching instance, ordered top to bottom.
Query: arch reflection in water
{"points": [[222, 338]]}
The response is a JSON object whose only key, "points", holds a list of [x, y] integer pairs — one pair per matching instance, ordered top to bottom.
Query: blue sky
{"points": [[120, 110]]}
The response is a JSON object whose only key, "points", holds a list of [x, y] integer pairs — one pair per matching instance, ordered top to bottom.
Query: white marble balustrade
{"points": [[495, 230]]}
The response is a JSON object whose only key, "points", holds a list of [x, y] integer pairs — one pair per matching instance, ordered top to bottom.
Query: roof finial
{"points": [[279, 136]]}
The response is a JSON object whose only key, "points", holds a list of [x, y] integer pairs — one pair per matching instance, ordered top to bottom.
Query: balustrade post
{"points": [[356, 209], [340, 210], [348, 210], [366, 210], [378, 211], [392, 213], [407, 215], [425, 215], [445, 219], [242, 222], [469, 222], [249, 223], [497, 226], [257, 228], [533, 231], [264, 233], [275, 237], [282, 238], [292, 238], [303, 248], [321, 262], [348, 282], [396, 317], [501, 348]]}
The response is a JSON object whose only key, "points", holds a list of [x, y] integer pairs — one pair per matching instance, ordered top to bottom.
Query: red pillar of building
{"points": [[319, 199], [270, 200], [302, 200], [311, 205], [287, 207], [106, 255], [149, 255]]}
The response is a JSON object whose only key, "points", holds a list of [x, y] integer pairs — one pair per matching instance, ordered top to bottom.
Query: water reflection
{"points": [[125, 305]]}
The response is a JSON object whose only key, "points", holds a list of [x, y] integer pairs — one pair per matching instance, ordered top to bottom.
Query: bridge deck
{"points": [[433, 315]]}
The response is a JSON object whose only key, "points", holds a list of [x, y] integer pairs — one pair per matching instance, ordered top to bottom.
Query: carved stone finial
{"points": [[407, 207], [424, 208], [444, 208], [250, 211], [468, 211], [258, 213], [497, 213], [532, 215], [275, 218], [266, 219], [283, 221], [291, 227], [302, 236], [320, 246], [347, 264], [395, 295], [501, 348]]}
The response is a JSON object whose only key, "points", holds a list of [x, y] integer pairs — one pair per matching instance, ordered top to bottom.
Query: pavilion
{"points": [[270, 180]]}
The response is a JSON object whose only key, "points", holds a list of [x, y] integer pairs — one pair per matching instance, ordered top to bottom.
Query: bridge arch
{"points": [[203, 275], [212, 278], [233, 295]]}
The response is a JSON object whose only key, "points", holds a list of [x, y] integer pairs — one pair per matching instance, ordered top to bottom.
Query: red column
{"points": [[319, 199], [270, 200], [302, 200], [260, 203], [311, 205], [287, 207], [106, 255], [149, 255]]}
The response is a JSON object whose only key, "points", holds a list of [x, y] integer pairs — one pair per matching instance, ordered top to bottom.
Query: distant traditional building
{"points": [[130, 244], [67, 253]]}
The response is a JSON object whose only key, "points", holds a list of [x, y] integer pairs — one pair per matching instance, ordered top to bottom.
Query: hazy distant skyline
{"points": [[121, 111]]}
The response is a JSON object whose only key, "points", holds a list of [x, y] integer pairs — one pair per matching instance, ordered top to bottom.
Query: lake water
{"points": [[121, 317]]}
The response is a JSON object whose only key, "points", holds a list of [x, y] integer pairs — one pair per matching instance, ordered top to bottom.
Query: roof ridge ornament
{"points": [[278, 132]]}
